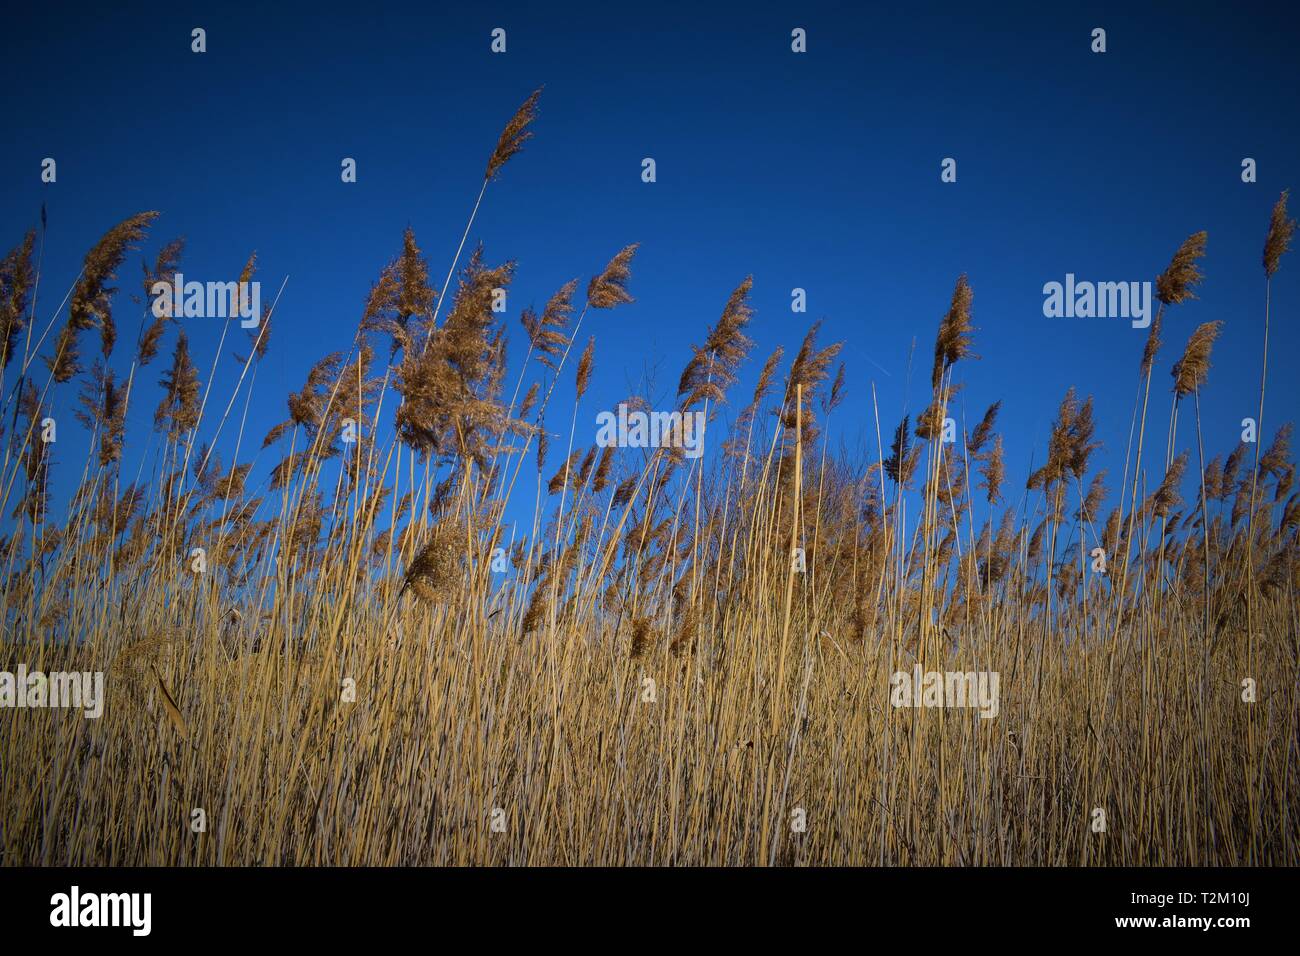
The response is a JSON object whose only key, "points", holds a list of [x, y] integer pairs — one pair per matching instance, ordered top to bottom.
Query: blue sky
{"points": [[818, 171]]}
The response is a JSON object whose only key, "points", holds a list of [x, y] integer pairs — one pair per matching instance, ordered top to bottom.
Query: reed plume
{"points": [[513, 137], [1280, 230], [16, 280], [1176, 283], [609, 288], [953, 342], [1189, 372]]}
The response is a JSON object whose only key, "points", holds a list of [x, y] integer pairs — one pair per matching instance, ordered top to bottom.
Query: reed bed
{"points": [[682, 661]]}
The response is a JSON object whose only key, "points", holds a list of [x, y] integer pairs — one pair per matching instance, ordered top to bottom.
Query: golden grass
{"points": [[654, 680]]}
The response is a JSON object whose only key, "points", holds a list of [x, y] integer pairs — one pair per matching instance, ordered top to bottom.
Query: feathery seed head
{"points": [[513, 136], [1280, 229], [1175, 284], [610, 287], [1189, 372]]}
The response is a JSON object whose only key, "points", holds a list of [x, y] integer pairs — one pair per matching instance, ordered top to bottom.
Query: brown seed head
{"points": [[514, 135], [1280, 230], [1175, 284], [610, 287], [585, 366], [1189, 371]]}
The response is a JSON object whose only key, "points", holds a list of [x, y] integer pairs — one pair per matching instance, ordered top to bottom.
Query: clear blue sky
{"points": [[818, 170]]}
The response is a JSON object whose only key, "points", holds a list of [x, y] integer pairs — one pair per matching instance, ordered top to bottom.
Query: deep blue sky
{"points": [[818, 170]]}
